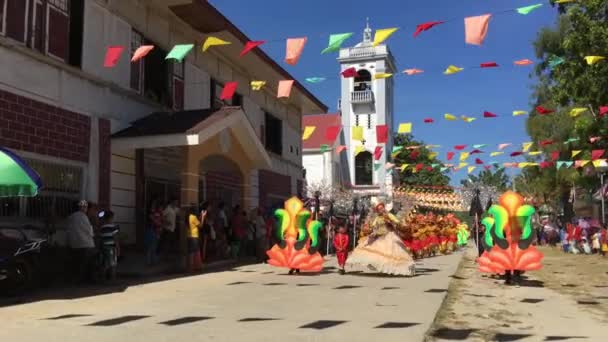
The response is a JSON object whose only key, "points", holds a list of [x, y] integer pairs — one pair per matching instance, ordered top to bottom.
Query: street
{"points": [[250, 303]]}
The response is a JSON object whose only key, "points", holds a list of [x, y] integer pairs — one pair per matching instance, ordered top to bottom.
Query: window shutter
{"points": [[16, 19], [58, 34]]}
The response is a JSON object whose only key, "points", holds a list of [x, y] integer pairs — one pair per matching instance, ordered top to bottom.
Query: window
{"points": [[2, 11], [15, 19], [137, 68], [156, 77], [363, 80], [177, 85], [216, 93], [274, 134], [363, 168], [62, 189]]}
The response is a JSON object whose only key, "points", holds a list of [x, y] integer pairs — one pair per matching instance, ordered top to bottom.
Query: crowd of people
{"points": [[580, 236]]}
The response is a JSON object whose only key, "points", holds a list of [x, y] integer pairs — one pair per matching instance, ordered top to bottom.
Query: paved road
{"points": [[251, 303]]}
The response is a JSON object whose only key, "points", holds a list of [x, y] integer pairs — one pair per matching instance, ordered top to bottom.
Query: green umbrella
{"points": [[16, 177]]}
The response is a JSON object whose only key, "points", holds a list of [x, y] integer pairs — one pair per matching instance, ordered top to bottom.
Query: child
{"points": [[341, 245]]}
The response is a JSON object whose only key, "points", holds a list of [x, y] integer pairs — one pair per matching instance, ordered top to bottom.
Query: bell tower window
{"points": [[363, 81]]}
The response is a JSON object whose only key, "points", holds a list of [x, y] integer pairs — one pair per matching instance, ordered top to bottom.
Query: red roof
{"points": [[321, 122]]}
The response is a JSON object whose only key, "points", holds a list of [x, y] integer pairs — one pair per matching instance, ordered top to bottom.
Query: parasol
{"points": [[16, 177]]}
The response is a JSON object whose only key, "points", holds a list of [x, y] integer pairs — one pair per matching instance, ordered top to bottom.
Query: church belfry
{"points": [[366, 104]]}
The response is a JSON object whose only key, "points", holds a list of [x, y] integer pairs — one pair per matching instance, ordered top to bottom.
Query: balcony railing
{"points": [[368, 51], [365, 96]]}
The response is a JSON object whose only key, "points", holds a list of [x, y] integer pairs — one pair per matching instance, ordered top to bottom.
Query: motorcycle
{"points": [[21, 258]]}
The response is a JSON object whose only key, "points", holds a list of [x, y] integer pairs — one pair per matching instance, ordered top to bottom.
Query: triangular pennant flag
{"points": [[563, 1], [528, 9], [425, 27], [476, 29], [383, 34], [214, 41], [336, 41], [250, 45], [293, 50], [179, 51], [141, 52], [112, 56], [591, 60], [555, 61], [523, 62], [489, 65], [452, 69], [411, 72], [349, 73], [382, 75], [315, 80], [257, 85], [284, 88], [228, 91], [603, 110], [543, 111], [577, 111], [519, 112], [489, 115], [450, 117], [468, 119], [428, 120], [405, 128], [308, 131], [331, 133], [357, 133], [382, 134], [594, 139], [571, 140], [546, 142], [480, 146], [503, 146], [526, 146], [460, 147], [324, 148], [340, 148], [397, 148], [359, 149], [476, 151], [378, 152], [534, 153], [575, 153], [494, 154], [515, 154], [597, 154], [414, 155], [433, 155], [450, 155], [555, 155], [464, 156], [478, 161], [599, 162], [569, 163], [578, 163], [545, 164], [560, 164], [434, 165], [377, 166], [404, 166], [419, 167], [487, 167], [443, 168], [471, 169]]}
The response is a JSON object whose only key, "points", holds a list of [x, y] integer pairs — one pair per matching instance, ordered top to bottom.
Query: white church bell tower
{"points": [[367, 102]]}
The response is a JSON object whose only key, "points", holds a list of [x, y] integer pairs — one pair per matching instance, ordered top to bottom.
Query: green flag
{"points": [[528, 9], [335, 41], [180, 51], [555, 61], [315, 79], [571, 140], [480, 146], [324, 148], [397, 148], [434, 165], [377, 166], [444, 168]]}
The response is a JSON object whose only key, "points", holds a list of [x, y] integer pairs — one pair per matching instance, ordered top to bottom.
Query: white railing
{"points": [[368, 51], [365, 96]]}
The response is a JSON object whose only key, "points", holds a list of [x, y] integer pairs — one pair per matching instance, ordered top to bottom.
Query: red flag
{"points": [[426, 26], [250, 46], [112, 56], [489, 65], [350, 72], [228, 90], [603, 110], [543, 111], [489, 115], [428, 120], [332, 133], [381, 134], [546, 142], [460, 147], [340, 149], [476, 151], [378, 152], [414, 154], [515, 154], [597, 154], [451, 155], [555, 155], [478, 161], [545, 164], [419, 167], [487, 167], [429, 168]]}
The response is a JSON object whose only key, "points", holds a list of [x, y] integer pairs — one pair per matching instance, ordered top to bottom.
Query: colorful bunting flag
{"points": [[563, 1], [527, 9], [426, 26], [476, 29], [383, 34], [214, 41], [336, 41], [250, 45], [293, 50], [141, 52], [179, 52], [112, 56], [591, 60], [555, 61], [523, 62], [489, 65], [452, 69], [411, 72], [350, 73], [382, 75], [315, 80], [257, 85], [284, 88], [228, 91], [603, 110], [543, 111], [577, 111], [519, 112], [489, 115], [450, 117], [467, 119], [428, 120], [405, 128], [308, 131], [331, 133], [357, 133], [382, 134], [594, 139], [571, 140], [546, 142], [480, 146], [503, 146], [526, 146], [460, 147], [324, 148], [340, 148], [397, 148], [358, 150], [476, 151], [378, 152], [534, 153], [575, 153], [494, 154], [515, 154], [597, 154], [433, 155], [450, 155], [555, 155], [464, 156], [478, 161], [599, 162], [461, 165], [377, 166], [404, 166], [471, 169]]}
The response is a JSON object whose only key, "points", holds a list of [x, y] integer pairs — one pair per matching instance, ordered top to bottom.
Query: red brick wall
{"points": [[37, 127], [105, 150], [272, 183]]}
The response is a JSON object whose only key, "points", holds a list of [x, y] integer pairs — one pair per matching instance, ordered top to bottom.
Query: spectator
{"points": [[222, 219], [155, 222], [237, 229], [206, 230], [168, 236], [261, 236], [81, 241], [194, 252]]}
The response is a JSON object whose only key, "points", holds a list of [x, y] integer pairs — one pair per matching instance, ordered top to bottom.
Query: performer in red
{"points": [[341, 245]]}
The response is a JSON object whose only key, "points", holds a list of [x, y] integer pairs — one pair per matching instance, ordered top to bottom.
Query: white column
{"points": [[92, 186]]}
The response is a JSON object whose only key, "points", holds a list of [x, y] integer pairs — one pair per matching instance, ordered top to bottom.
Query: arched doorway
{"points": [[363, 80], [364, 168], [220, 180]]}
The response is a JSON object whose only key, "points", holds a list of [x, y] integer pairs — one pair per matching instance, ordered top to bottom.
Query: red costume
{"points": [[341, 245]]}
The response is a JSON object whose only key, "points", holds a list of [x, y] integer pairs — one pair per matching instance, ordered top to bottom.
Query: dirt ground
{"points": [[566, 300]]}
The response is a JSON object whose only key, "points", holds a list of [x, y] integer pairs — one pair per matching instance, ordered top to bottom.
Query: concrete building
{"points": [[173, 137]]}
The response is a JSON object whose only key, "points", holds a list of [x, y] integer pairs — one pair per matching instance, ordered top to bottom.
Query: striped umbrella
{"points": [[17, 179]]}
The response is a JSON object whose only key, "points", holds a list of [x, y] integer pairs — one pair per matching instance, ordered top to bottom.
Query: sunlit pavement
{"points": [[250, 303]]}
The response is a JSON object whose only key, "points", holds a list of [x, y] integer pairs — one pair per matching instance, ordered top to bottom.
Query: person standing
{"points": [[155, 222], [237, 230], [261, 236], [168, 237], [81, 241], [340, 243], [194, 253]]}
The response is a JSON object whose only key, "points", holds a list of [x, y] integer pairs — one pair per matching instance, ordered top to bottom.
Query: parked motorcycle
{"points": [[21, 259]]}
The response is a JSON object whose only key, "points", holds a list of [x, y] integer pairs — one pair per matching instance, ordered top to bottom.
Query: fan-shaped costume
{"points": [[382, 250]]}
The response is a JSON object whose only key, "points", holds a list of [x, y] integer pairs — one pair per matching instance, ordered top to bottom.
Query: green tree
{"points": [[413, 157], [497, 179]]}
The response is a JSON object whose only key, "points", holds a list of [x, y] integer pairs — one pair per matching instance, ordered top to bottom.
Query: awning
{"points": [[16, 177]]}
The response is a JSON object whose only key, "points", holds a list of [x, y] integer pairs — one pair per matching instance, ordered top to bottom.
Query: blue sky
{"points": [[431, 94]]}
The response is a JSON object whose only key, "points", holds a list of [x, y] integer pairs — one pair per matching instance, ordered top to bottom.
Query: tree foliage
{"points": [[416, 156], [497, 179]]}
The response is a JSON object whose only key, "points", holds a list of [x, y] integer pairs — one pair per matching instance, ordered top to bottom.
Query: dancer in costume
{"points": [[341, 245], [382, 250]]}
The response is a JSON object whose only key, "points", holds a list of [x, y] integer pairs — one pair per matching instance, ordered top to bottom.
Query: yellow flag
{"points": [[563, 1], [383, 34], [213, 41], [594, 59], [452, 69], [382, 75], [257, 85], [577, 111], [519, 112], [450, 117], [467, 119], [405, 128], [308, 131], [357, 133], [527, 146], [359, 149], [535, 153], [575, 153], [395, 154], [494, 154], [433, 155], [464, 156], [585, 162], [598, 163], [461, 165], [404, 166], [471, 169]]}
